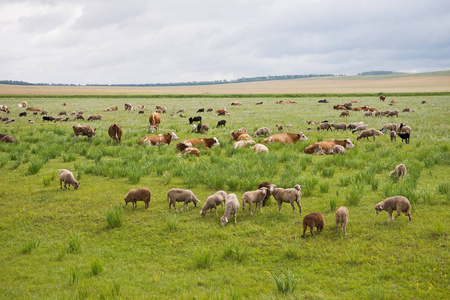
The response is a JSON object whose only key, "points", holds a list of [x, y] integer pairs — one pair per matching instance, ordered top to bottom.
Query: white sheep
{"points": [[360, 128], [262, 131], [369, 132], [243, 143], [260, 148], [338, 149], [400, 171], [67, 177], [134, 195], [179, 195], [292, 195], [256, 197], [212, 202], [398, 203], [231, 208], [341, 218]]}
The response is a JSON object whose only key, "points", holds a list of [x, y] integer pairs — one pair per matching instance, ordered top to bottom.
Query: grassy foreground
{"points": [[86, 244]]}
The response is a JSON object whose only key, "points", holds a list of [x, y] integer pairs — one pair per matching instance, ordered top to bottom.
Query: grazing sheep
{"points": [[423, 102], [406, 110], [345, 113], [393, 113], [368, 114], [378, 114], [30, 121], [221, 123], [354, 125], [324, 126], [342, 126], [390, 126], [194, 127], [279, 127], [360, 128], [404, 128], [262, 131], [370, 132], [393, 136], [404, 136], [240, 144], [260, 148], [338, 149], [400, 171], [67, 177], [266, 185], [134, 195], [179, 195], [292, 195], [256, 197], [212, 202], [398, 203], [231, 208], [341, 218], [313, 220]]}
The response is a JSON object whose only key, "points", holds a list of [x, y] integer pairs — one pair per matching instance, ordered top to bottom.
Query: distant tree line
{"points": [[377, 73], [16, 82]]}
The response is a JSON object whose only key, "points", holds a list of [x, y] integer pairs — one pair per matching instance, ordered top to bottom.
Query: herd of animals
{"points": [[242, 139]]}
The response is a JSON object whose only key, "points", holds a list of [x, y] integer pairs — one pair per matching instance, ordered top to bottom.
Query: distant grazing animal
{"points": [[382, 98], [323, 101], [355, 101], [393, 101], [423, 102], [235, 103], [259, 103], [65, 104], [128, 106], [340, 107], [4, 108], [34, 109], [111, 109], [163, 109], [209, 109], [180, 110], [200, 110], [406, 110], [141, 112], [221, 112], [62, 113], [345, 113], [393, 113], [23, 114], [368, 114], [95, 117], [48, 118], [58, 119], [154, 119], [195, 119], [9, 121], [30, 121], [311, 122], [221, 123], [323, 126], [342, 126], [389, 126], [279, 127], [202, 128], [360, 128], [404, 128], [83, 130], [262, 131], [115, 132], [369, 132], [393, 136], [405, 137], [4, 138], [285, 138], [159, 139], [208, 142], [328, 145], [260, 148], [185, 149], [400, 171], [67, 177], [266, 185], [135, 195], [180, 195], [291, 195], [257, 197], [212, 202], [398, 203], [231, 208], [341, 219], [313, 220]]}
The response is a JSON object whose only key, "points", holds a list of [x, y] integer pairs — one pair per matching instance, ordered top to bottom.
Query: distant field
{"points": [[425, 82]]}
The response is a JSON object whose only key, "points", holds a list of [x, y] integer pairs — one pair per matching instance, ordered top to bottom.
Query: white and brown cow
{"points": [[4, 108], [154, 119], [83, 130], [115, 132], [239, 136], [285, 138], [159, 139], [208, 142], [327, 146], [185, 149]]}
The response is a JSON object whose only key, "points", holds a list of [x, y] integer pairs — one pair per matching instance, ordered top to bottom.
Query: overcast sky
{"points": [[151, 41]]}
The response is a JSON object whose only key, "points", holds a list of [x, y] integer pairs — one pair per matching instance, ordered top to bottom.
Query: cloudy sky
{"points": [[151, 41]]}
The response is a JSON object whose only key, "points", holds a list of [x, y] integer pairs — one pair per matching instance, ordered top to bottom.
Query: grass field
{"points": [[60, 245]]}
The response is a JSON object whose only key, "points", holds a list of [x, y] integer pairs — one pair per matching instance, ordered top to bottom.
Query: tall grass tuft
{"points": [[35, 165], [328, 172], [345, 180], [308, 184], [324, 186], [444, 188], [354, 196], [333, 205], [114, 217], [172, 221], [74, 243], [30, 246], [233, 252], [204, 259], [97, 266], [73, 274], [285, 282], [116, 288]]}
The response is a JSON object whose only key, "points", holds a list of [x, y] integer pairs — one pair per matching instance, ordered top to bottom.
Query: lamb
{"points": [[345, 113], [324, 126], [342, 126], [360, 128], [262, 131], [370, 132], [393, 136], [404, 136], [240, 144], [260, 148], [338, 149], [400, 171], [67, 177], [266, 185], [134, 195], [179, 195], [288, 195], [256, 197], [212, 202], [398, 203], [231, 208], [341, 218], [313, 220]]}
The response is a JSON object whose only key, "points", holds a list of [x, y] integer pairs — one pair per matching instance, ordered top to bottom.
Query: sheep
{"points": [[406, 110], [345, 113], [393, 113], [368, 114], [354, 125], [324, 126], [342, 126], [390, 126], [194, 127], [279, 127], [360, 128], [404, 128], [242, 129], [262, 131], [370, 132], [393, 136], [404, 136], [240, 144], [260, 148], [338, 149], [400, 171], [67, 177], [266, 185], [141, 194], [179, 195], [292, 195], [256, 197], [212, 202], [398, 203], [231, 208], [341, 218], [313, 220]]}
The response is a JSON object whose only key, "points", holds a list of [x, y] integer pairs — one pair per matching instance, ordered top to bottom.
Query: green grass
{"points": [[59, 244]]}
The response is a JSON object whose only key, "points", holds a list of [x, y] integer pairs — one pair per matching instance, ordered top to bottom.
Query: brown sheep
{"points": [[370, 132], [142, 194], [341, 218], [313, 220]]}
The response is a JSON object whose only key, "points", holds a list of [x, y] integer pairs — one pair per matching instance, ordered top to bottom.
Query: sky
{"points": [[161, 41]]}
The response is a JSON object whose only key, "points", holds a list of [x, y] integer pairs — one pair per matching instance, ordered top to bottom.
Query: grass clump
{"points": [[354, 196], [114, 217], [74, 243], [29, 246], [233, 252], [204, 259], [97, 266], [73, 274], [285, 282]]}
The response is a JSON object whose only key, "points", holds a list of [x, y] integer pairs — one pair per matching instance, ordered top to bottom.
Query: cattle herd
{"points": [[241, 138]]}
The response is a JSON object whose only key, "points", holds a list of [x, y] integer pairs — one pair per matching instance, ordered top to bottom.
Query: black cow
{"points": [[47, 118], [195, 119], [221, 123]]}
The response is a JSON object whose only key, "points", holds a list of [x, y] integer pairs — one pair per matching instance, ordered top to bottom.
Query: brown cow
{"points": [[340, 107], [4, 108], [34, 109], [221, 112], [154, 119], [83, 130], [115, 132], [238, 136], [285, 138], [159, 139], [209, 142], [327, 146]]}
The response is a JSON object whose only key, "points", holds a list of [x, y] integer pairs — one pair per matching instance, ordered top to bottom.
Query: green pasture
{"points": [[86, 244]]}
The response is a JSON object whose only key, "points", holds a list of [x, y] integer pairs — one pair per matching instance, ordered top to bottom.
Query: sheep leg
{"points": [[60, 184], [279, 206], [215, 207], [299, 207], [243, 208], [250, 208], [293, 209], [398, 214], [235, 219], [336, 226], [344, 227], [311, 229]]}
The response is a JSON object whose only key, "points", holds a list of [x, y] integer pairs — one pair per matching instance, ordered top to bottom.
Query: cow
{"points": [[382, 98], [235, 103], [259, 103], [340, 107], [4, 108], [34, 109], [111, 109], [163, 109], [200, 110], [221, 112], [95, 117], [154, 119], [195, 119], [221, 123], [202, 128], [82, 130], [115, 132], [238, 136], [4, 138], [285, 138], [159, 139], [208, 142], [327, 146], [185, 149]]}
